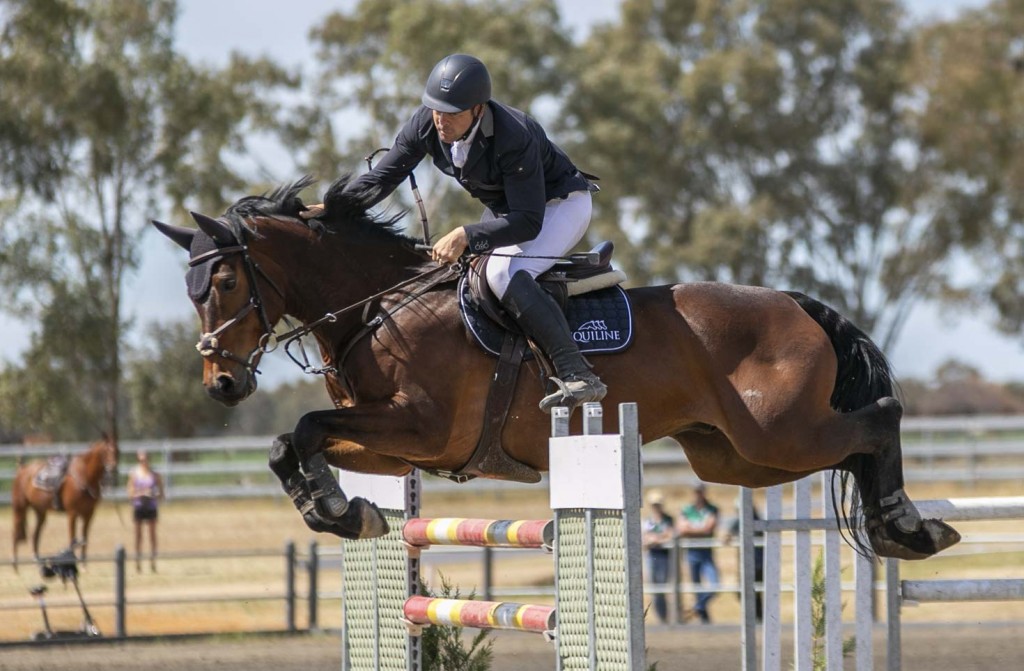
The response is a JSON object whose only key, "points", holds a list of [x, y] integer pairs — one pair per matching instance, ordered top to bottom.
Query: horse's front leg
{"points": [[357, 439], [284, 462], [40, 520], [72, 523], [86, 523]]}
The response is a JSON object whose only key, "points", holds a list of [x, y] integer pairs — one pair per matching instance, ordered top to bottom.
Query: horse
{"points": [[758, 386], [78, 494]]}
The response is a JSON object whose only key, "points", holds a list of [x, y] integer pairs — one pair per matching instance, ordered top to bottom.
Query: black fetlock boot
{"points": [[537, 313], [285, 465], [328, 498]]}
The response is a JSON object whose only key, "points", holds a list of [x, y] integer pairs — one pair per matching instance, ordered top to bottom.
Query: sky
{"points": [[208, 30]]}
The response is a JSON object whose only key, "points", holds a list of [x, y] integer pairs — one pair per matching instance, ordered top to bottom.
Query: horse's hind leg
{"points": [[350, 523], [892, 523]]}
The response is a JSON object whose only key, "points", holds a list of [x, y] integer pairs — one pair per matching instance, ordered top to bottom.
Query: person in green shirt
{"points": [[699, 519]]}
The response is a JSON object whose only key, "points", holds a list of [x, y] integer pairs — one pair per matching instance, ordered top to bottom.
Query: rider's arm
{"points": [[392, 169], [523, 179]]}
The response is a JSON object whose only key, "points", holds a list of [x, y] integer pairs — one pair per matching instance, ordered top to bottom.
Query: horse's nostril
{"points": [[225, 383]]}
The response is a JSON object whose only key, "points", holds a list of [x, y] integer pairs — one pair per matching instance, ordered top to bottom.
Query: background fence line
{"points": [[969, 450]]}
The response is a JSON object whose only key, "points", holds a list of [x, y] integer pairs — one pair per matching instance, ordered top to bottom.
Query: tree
{"points": [[970, 77], [99, 117], [762, 143], [959, 389], [164, 397], [279, 410]]}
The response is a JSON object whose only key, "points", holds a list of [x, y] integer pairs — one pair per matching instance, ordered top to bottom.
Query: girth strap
{"points": [[489, 459]]}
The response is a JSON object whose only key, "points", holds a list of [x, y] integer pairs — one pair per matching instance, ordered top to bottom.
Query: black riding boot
{"points": [[537, 313]]}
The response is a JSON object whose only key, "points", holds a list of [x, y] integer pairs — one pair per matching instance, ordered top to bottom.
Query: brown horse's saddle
{"points": [[599, 316], [50, 477]]}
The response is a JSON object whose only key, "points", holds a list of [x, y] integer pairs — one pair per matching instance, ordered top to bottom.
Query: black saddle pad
{"points": [[601, 321]]}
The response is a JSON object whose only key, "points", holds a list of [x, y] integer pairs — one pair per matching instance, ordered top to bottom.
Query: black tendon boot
{"points": [[537, 313], [285, 465]]}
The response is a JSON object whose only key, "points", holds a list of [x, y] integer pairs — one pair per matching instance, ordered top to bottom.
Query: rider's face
{"points": [[453, 126]]}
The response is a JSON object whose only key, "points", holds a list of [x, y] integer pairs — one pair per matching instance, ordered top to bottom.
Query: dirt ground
{"points": [[708, 648]]}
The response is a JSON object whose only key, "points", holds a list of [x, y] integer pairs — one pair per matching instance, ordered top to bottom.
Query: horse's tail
{"points": [[863, 375]]}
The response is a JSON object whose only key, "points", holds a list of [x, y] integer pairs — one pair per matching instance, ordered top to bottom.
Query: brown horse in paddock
{"points": [[759, 386], [80, 492]]}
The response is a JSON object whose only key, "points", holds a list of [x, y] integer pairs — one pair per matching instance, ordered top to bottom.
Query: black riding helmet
{"points": [[457, 83]]}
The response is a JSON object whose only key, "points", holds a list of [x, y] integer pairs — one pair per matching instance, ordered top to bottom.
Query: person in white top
{"points": [[145, 489]]}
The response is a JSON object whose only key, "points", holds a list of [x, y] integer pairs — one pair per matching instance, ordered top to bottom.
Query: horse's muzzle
{"points": [[229, 390]]}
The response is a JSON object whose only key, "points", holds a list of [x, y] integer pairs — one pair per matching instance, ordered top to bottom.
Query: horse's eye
{"points": [[229, 283]]}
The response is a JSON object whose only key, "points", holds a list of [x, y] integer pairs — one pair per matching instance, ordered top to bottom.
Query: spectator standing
{"points": [[145, 490], [699, 520], [658, 536]]}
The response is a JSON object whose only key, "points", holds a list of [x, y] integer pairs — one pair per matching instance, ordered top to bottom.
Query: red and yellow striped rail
{"points": [[480, 533], [422, 610]]}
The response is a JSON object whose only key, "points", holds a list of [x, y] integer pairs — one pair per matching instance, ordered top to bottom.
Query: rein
{"points": [[438, 275], [209, 345]]}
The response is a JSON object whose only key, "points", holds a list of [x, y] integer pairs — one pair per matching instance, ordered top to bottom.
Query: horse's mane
{"points": [[345, 210]]}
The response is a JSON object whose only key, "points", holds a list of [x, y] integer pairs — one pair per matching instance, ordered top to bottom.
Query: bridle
{"points": [[209, 345]]}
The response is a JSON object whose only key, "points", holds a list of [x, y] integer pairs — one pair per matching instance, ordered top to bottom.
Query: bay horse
{"points": [[759, 386], [79, 493]]}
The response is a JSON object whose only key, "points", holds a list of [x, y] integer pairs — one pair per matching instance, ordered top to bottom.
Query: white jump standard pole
{"points": [[595, 493]]}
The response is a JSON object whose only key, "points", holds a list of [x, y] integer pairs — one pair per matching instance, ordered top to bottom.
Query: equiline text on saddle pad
{"points": [[601, 321]]}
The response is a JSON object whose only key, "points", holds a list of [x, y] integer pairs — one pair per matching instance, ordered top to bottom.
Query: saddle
{"points": [[598, 312], [50, 477]]}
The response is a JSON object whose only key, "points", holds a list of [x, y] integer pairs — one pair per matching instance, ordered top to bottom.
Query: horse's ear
{"points": [[218, 230], [179, 234]]}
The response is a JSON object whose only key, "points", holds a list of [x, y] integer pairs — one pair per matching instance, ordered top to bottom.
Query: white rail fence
{"points": [[969, 450], [807, 653]]}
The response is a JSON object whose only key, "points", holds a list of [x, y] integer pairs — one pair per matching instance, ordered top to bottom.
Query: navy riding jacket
{"points": [[512, 168]]}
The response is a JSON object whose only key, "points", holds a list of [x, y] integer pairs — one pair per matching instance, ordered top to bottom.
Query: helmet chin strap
{"points": [[478, 113]]}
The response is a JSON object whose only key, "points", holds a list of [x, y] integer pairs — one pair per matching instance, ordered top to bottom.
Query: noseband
{"points": [[209, 343]]}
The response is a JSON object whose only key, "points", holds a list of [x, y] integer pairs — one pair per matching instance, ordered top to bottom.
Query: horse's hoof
{"points": [[362, 519], [371, 521], [318, 524], [932, 537]]}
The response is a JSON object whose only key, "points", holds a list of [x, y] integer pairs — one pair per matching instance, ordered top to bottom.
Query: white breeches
{"points": [[565, 222]]}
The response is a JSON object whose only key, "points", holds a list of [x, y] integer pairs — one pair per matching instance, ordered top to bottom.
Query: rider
{"points": [[537, 204]]}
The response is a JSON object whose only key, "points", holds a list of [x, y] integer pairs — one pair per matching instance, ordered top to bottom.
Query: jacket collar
{"points": [[482, 140]]}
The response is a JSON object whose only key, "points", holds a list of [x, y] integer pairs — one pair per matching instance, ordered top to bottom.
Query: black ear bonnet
{"points": [[198, 276]]}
